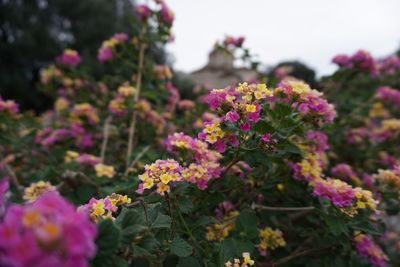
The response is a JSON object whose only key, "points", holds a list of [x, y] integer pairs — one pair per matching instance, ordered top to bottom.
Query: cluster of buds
{"points": [[226, 216], [270, 240]]}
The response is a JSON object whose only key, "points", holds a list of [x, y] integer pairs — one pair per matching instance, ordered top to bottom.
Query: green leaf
{"points": [[185, 205], [158, 220], [246, 224], [336, 224], [369, 227], [109, 237], [107, 242], [180, 247], [227, 251], [188, 262]]}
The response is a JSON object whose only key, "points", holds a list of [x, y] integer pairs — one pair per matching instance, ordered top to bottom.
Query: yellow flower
{"points": [[126, 91], [61, 104], [251, 108], [211, 139], [70, 156], [104, 170], [165, 178], [148, 183], [162, 188], [35, 190], [247, 259]]}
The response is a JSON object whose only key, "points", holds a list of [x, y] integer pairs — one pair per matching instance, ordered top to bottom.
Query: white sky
{"points": [[312, 31]]}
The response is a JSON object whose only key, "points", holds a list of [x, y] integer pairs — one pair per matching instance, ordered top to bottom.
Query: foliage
{"points": [[253, 174]]}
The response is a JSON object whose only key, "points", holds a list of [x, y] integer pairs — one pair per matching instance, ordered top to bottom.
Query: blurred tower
{"points": [[220, 71]]}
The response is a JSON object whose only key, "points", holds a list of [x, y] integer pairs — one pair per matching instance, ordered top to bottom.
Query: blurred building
{"points": [[220, 71]]}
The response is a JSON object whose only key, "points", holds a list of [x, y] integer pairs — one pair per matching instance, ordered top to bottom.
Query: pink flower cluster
{"points": [[142, 11], [165, 14], [233, 41], [105, 52], [69, 58], [361, 60], [388, 66], [388, 95], [308, 102], [8, 106], [48, 136], [319, 141], [206, 162], [343, 171], [161, 174], [339, 193], [48, 232], [367, 248]]}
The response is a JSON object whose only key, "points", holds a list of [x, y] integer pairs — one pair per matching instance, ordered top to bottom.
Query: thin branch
{"points": [[132, 128], [105, 138], [138, 157], [229, 166], [261, 207]]}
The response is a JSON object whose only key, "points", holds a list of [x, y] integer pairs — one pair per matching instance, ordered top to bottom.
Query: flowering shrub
{"points": [[124, 172]]}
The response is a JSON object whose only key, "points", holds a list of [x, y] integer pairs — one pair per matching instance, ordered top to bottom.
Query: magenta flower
{"points": [[142, 11], [166, 15], [105, 54], [69, 58], [388, 95], [232, 116], [245, 126], [266, 138], [338, 192], [47, 232], [367, 248]]}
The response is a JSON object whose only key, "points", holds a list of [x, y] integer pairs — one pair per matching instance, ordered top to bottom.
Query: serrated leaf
{"points": [[180, 247]]}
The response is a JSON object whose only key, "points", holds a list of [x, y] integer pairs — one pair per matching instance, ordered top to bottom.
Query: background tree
{"points": [[34, 32]]}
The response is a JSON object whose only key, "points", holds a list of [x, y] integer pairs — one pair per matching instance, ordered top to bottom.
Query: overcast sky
{"points": [[312, 31]]}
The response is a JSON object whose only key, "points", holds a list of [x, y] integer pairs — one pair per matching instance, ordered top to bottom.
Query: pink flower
{"points": [[143, 12], [166, 15], [105, 54], [69, 58], [232, 116], [245, 126], [266, 138], [220, 146], [338, 192], [48, 232], [367, 248]]}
